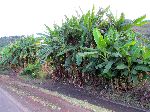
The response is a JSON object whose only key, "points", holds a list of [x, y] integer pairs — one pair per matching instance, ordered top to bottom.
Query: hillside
{"points": [[145, 29], [7, 40]]}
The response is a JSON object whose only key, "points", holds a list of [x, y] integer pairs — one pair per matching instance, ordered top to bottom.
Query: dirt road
{"points": [[16, 96], [9, 104]]}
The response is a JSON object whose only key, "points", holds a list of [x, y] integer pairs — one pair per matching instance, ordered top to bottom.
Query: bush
{"points": [[97, 46], [20, 53], [31, 70]]}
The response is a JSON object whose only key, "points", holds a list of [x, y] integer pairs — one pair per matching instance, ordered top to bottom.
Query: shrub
{"points": [[97, 45], [20, 53], [31, 70]]}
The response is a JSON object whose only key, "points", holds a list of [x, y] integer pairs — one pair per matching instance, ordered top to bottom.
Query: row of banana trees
{"points": [[94, 49]]}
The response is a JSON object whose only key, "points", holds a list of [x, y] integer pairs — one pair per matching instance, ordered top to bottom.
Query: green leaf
{"points": [[93, 13], [86, 18], [122, 18], [139, 21], [142, 23], [100, 42], [127, 45], [65, 51], [136, 52], [85, 54], [116, 54], [146, 54], [78, 60], [14, 61], [67, 62], [100, 65], [108, 66], [121, 66], [88, 67], [142, 68], [133, 71], [126, 72], [145, 76], [134, 78]]}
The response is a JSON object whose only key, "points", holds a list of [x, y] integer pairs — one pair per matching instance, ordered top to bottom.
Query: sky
{"points": [[25, 17]]}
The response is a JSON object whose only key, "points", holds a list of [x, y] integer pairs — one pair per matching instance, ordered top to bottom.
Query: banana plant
{"points": [[21, 52]]}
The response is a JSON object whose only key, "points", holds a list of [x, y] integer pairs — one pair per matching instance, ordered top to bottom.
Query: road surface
{"points": [[9, 104]]}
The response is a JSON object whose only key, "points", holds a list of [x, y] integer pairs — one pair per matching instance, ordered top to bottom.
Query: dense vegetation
{"points": [[95, 49]]}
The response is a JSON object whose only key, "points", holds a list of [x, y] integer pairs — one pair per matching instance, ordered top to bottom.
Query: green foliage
{"points": [[137, 22], [100, 42], [95, 44], [21, 52], [31, 70]]}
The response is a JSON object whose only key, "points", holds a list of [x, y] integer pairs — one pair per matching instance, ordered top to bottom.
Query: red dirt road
{"points": [[36, 99]]}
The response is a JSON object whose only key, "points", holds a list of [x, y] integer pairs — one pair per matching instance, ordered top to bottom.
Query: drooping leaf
{"points": [[140, 21]]}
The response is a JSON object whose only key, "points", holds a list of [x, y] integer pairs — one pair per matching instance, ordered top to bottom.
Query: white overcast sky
{"points": [[19, 17]]}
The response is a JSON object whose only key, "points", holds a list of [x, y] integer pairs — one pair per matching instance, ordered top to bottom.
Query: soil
{"points": [[55, 96], [37, 99]]}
